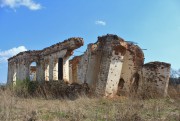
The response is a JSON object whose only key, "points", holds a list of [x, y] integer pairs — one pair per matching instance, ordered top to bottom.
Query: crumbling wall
{"points": [[107, 53], [46, 60], [106, 62], [133, 62], [78, 65], [92, 65], [19, 66], [110, 66], [113, 66], [82, 68], [85, 68], [74, 69], [126, 74], [156, 77]]}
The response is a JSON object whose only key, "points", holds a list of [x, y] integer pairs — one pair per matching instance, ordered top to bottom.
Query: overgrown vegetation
{"points": [[48, 90]]}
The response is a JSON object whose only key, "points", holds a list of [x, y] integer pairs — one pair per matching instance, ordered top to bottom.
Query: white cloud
{"points": [[17, 3], [99, 22], [4, 55]]}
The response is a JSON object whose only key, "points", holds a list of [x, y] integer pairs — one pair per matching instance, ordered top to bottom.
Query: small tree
{"points": [[174, 77]]}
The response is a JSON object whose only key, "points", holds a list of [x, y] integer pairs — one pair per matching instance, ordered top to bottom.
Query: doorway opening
{"points": [[60, 69], [121, 83], [120, 87]]}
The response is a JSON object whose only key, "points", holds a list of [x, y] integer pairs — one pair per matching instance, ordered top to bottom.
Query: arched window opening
{"points": [[33, 71]]}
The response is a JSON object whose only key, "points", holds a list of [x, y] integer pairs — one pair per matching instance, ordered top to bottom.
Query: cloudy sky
{"points": [[35, 24]]}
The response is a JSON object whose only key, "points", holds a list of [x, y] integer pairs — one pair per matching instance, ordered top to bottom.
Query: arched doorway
{"points": [[33, 71]]}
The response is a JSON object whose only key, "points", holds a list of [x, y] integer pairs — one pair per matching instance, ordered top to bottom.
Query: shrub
{"points": [[21, 88]]}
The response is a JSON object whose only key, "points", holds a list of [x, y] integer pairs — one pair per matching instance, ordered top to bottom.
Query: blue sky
{"points": [[35, 24]]}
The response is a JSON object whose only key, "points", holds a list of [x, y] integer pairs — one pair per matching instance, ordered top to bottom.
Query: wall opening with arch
{"points": [[33, 71], [121, 83], [120, 86]]}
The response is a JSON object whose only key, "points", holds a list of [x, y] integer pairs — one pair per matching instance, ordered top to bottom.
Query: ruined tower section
{"points": [[111, 62], [52, 63], [132, 64], [100, 66], [113, 66], [155, 76]]}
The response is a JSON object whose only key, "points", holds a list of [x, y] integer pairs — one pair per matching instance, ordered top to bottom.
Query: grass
{"points": [[14, 108]]}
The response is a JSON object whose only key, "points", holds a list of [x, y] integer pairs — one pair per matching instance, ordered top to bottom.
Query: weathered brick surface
{"points": [[156, 77]]}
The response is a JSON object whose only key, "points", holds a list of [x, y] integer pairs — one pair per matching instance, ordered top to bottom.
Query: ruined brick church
{"points": [[110, 66]]}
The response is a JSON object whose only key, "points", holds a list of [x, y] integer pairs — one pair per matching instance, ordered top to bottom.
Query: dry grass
{"points": [[174, 91], [13, 108]]}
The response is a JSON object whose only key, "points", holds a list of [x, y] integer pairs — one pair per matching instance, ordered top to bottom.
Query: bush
{"points": [[21, 88]]}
